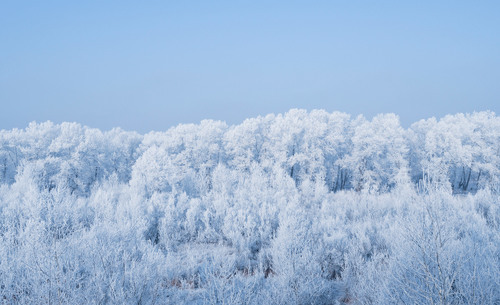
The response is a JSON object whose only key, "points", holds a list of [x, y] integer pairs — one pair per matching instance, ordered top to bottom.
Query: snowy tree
{"points": [[378, 157]]}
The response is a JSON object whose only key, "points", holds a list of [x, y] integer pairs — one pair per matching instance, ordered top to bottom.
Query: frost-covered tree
{"points": [[459, 151], [378, 157]]}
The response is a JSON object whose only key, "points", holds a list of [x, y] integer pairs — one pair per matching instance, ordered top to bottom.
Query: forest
{"points": [[306, 207]]}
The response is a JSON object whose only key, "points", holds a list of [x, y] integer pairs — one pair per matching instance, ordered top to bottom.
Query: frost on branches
{"points": [[300, 208]]}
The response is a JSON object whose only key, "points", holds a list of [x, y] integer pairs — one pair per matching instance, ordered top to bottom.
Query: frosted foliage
{"points": [[295, 208]]}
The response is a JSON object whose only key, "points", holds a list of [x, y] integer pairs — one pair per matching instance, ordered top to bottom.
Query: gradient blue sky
{"points": [[149, 65]]}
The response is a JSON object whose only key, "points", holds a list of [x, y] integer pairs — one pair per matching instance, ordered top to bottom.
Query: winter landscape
{"points": [[250, 152], [304, 207]]}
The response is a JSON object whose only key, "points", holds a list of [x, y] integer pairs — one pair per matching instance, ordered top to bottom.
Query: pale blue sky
{"points": [[149, 65]]}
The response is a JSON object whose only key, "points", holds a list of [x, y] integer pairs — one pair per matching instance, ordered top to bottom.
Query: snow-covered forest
{"points": [[296, 208]]}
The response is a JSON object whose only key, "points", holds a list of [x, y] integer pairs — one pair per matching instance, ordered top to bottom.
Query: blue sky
{"points": [[150, 65]]}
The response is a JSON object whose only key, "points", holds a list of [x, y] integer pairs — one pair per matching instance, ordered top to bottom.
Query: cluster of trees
{"points": [[460, 152], [297, 208]]}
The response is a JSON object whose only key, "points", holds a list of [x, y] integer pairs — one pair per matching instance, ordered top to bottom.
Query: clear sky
{"points": [[150, 65]]}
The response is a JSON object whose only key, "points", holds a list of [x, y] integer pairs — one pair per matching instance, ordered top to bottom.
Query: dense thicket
{"points": [[289, 209]]}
